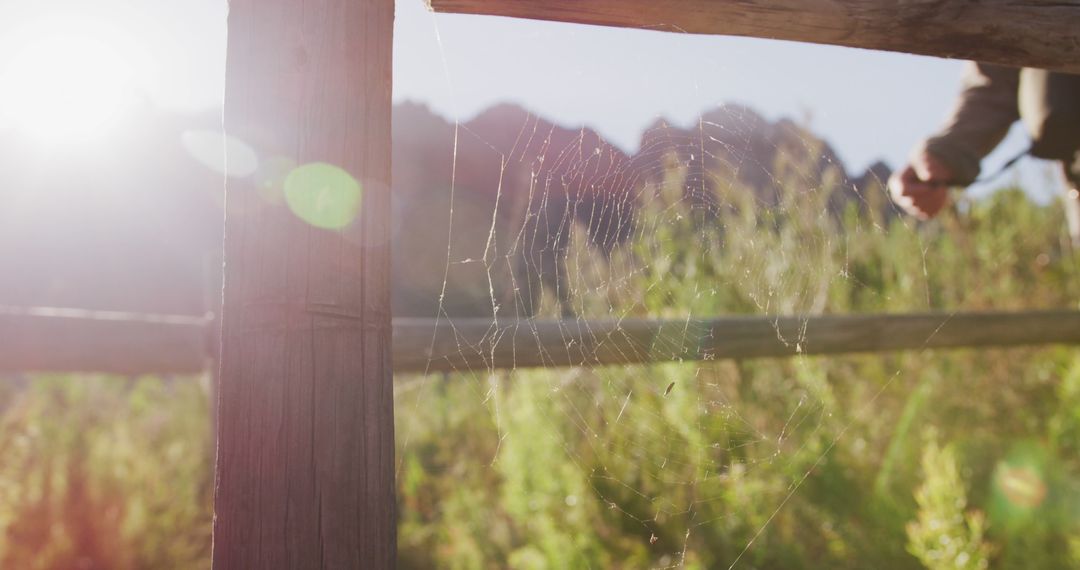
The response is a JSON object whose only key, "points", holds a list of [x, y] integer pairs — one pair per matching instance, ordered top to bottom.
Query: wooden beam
{"points": [[1021, 33], [67, 340], [75, 340], [478, 344], [305, 464]]}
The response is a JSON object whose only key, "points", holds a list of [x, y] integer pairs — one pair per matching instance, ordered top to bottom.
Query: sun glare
{"points": [[65, 87]]}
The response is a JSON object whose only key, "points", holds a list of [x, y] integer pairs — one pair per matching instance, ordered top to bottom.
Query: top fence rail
{"points": [[1019, 33]]}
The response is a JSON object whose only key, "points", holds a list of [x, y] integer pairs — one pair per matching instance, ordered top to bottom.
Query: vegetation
{"points": [[949, 459], [104, 473]]}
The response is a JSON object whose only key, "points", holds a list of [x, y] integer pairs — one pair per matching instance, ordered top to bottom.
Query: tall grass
{"points": [[801, 463], [104, 473]]}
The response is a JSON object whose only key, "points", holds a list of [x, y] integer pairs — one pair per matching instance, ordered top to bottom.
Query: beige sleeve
{"points": [[981, 117]]}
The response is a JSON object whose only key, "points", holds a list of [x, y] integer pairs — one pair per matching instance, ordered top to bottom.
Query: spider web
{"points": [[555, 240]]}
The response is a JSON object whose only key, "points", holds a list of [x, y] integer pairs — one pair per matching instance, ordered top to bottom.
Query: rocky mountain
{"points": [[733, 147], [483, 210], [490, 210]]}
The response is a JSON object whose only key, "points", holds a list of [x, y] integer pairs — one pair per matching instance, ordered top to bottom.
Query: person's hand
{"points": [[922, 187]]}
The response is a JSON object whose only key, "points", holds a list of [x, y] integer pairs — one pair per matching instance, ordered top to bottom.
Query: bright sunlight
{"points": [[65, 86]]}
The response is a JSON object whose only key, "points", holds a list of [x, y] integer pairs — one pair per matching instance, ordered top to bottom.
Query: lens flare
{"points": [[220, 152], [323, 195], [1021, 485]]}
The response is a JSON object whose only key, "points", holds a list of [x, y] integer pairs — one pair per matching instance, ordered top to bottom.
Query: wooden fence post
{"points": [[305, 466]]}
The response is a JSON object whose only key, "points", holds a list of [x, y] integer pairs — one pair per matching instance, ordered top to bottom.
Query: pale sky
{"points": [[868, 105]]}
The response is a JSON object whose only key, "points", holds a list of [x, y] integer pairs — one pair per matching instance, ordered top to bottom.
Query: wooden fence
{"points": [[1020, 33], [49, 339]]}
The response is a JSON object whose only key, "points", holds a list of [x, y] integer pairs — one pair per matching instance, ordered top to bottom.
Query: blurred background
{"points": [[644, 175]]}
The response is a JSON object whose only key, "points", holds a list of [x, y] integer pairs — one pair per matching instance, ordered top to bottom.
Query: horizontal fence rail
{"points": [[1018, 33], [66, 340], [76, 340]]}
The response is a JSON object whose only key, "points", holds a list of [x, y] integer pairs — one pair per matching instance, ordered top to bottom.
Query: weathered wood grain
{"points": [[1022, 33], [66, 340], [305, 464]]}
